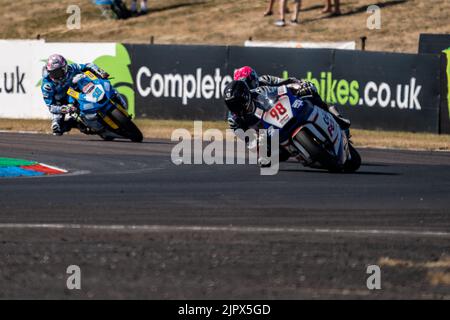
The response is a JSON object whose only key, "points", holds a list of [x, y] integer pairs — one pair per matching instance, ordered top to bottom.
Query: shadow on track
{"points": [[128, 141], [375, 165], [354, 173]]}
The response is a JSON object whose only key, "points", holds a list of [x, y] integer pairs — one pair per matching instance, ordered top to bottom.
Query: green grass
{"points": [[162, 129]]}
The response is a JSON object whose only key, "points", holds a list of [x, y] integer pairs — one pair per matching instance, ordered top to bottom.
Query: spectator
{"points": [[144, 8], [328, 8], [113, 9], [283, 9], [269, 10]]}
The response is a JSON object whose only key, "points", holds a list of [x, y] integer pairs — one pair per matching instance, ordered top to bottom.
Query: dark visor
{"points": [[57, 74], [235, 106]]}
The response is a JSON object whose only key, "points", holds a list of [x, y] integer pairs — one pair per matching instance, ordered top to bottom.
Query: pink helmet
{"points": [[57, 67], [248, 75]]}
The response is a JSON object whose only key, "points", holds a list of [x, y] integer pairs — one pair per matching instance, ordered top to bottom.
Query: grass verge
{"points": [[229, 22], [162, 129]]}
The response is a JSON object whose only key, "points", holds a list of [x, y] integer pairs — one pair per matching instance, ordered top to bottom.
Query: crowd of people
{"points": [[118, 8], [330, 8]]}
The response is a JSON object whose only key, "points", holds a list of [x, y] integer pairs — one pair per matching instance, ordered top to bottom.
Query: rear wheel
{"points": [[127, 128], [317, 152]]}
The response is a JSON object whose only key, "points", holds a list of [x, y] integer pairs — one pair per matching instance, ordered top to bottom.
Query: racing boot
{"points": [[342, 122], [60, 125], [283, 156]]}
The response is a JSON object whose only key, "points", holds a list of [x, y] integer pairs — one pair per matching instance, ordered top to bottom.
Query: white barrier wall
{"points": [[344, 45], [21, 66]]}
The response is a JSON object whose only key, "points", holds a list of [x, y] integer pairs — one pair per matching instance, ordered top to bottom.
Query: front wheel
{"points": [[127, 128], [317, 152], [354, 163]]}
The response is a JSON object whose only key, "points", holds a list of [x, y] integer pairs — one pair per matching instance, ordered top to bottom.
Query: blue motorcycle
{"points": [[100, 110], [307, 132]]}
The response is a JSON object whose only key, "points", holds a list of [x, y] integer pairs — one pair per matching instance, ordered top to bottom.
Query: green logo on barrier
{"points": [[447, 52], [118, 67], [332, 90], [404, 96]]}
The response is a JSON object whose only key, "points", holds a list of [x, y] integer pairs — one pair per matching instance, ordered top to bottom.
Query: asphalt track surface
{"points": [[141, 227]]}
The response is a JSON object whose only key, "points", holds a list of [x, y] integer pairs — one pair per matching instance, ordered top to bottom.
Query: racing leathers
{"points": [[57, 100]]}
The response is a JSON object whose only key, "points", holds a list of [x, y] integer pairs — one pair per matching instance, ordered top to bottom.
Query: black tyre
{"points": [[127, 128], [107, 138], [318, 153], [355, 162]]}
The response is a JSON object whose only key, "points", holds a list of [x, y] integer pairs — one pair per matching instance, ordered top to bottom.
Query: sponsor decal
{"points": [[447, 53], [118, 67], [12, 82], [182, 86], [88, 88], [371, 94]]}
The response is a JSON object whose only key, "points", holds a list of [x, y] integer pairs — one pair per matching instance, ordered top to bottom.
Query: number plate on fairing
{"points": [[96, 94], [280, 113]]}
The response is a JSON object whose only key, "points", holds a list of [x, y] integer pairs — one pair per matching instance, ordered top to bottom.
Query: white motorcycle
{"points": [[307, 132]]}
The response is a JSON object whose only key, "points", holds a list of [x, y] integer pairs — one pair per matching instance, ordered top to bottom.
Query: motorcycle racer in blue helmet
{"points": [[57, 77]]}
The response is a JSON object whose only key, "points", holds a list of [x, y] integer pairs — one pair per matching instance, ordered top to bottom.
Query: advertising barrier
{"points": [[433, 43], [348, 45], [17, 80], [179, 82], [445, 89], [375, 90], [390, 91]]}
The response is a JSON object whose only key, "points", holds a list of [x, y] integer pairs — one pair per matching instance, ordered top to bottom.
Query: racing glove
{"points": [[99, 72], [302, 88], [68, 109], [236, 122]]}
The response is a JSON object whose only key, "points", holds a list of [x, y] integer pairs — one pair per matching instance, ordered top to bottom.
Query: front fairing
{"points": [[94, 94], [297, 111]]}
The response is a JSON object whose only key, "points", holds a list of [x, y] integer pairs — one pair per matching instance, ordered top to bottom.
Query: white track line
{"points": [[22, 132], [54, 168], [242, 229]]}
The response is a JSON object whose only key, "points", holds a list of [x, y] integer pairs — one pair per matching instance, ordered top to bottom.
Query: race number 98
{"points": [[277, 111]]}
